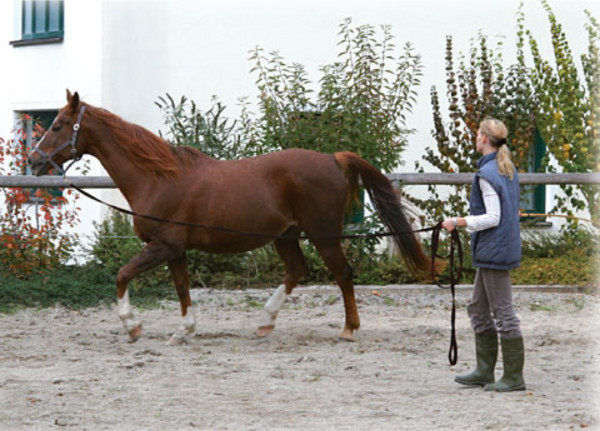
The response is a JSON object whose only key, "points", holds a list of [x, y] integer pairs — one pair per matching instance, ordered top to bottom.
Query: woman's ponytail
{"points": [[505, 165]]}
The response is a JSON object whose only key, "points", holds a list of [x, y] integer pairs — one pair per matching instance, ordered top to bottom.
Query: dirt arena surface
{"points": [[63, 369]]}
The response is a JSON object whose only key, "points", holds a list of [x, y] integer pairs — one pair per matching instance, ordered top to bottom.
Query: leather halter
{"points": [[48, 158]]}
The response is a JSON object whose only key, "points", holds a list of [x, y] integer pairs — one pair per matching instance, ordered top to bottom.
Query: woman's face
{"points": [[482, 141]]}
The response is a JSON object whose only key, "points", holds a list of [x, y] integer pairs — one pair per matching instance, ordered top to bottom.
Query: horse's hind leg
{"points": [[333, 255], [151, 256], [295, 268], [179, 273]]}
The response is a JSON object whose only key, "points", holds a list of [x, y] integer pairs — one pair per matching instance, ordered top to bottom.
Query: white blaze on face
{"points": [[273, 306], [125, 312]]}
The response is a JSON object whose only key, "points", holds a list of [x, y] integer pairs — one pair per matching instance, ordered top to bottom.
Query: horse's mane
{"points": [[145, 149]]}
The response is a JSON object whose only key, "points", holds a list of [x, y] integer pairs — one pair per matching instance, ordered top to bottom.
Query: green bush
{"points": [[581, 240], [115, 244], [569, 257], [573, 267], [258, 268], [71, 286]]}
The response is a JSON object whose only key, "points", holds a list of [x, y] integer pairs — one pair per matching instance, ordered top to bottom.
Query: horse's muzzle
{"points": [[38, 165]]}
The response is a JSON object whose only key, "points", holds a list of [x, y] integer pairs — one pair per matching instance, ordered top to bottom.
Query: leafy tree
{"points": [[479, 87], [528, 99], [361, 104], [568, 105], [210, 131], [31, 244]]}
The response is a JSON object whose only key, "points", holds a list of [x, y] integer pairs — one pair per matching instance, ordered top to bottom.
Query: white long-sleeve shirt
{"points": [[491, 217]]}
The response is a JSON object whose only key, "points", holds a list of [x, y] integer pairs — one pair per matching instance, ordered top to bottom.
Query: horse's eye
{"points": [[56, 127]]}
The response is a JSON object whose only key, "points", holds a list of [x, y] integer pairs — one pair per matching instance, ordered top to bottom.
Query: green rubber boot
{"points": [[486, 350], [513, 358]]}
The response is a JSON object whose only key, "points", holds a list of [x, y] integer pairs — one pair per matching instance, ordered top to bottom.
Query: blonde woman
{"points": [[496, 249]]}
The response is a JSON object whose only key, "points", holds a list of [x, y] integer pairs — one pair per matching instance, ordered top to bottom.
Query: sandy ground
{"points": [[62, 369]]}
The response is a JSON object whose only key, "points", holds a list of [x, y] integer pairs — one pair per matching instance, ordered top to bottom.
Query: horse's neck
{"points": [[129, 179]]}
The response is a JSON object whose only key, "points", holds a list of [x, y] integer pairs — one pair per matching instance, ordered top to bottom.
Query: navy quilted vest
{"points": [[498, 247]]}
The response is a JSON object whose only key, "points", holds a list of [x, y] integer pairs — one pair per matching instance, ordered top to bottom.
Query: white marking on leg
{"points": [[273, 306], [126, 314], [188, 324], [188, 327]]}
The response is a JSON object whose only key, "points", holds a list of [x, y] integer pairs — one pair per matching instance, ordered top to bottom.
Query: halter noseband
{"points": [[48, 158]]}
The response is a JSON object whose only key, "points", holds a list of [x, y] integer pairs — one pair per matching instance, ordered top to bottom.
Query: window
{"points": [[42, 22], [35, 123], [533, 200]]}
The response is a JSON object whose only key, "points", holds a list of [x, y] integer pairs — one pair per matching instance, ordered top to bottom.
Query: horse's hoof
{"points": [[263, 331], [135, 333], [348, 335]]}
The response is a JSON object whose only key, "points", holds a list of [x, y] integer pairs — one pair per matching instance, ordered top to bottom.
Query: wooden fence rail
{"points": [[97, 182]]}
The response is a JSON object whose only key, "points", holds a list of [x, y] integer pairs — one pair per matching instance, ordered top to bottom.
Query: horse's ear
{"points": [[73, 100]]}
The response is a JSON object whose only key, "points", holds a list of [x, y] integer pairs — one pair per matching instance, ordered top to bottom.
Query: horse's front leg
{"points": [[151, 256], [179, 274]]}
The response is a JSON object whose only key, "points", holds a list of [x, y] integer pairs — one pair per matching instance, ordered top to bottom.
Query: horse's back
{"points": [[295, 160], [300, 166], [299, 173], [290, 187]]}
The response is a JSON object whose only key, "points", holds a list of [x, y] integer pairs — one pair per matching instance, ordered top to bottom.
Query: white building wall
{"points": [[124, 54], [36, 77]]}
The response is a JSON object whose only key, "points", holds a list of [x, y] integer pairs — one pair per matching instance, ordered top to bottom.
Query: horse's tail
{"points": [[387, 203]]}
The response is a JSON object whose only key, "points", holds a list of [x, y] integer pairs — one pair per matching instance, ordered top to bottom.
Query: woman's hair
{"points": [[496, 132]]}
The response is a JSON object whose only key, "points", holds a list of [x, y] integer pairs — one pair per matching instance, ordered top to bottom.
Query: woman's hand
{"points": [[452, 223], [448, 224]]}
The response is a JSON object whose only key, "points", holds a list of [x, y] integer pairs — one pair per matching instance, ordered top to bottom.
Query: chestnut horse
{"points": [[279, 195]]}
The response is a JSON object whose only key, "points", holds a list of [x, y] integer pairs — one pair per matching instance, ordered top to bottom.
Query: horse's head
{"points": [[60, 143]]}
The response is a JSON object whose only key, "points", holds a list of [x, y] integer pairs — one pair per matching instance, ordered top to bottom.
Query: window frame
{"points": [[30, 21]]}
